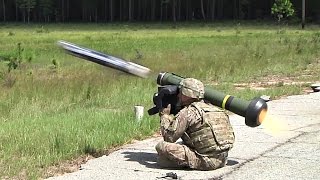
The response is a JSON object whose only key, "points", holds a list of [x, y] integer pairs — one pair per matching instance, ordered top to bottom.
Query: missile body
{"points": [[105, 60]]}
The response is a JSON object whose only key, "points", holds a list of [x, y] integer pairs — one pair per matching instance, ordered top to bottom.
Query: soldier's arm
{"points": [[173, 127]]}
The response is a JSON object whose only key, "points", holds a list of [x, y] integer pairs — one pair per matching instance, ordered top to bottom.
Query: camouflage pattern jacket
{"points": [[202, 127]]}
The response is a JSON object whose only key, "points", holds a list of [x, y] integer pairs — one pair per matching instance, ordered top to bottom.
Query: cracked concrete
{"points": [[293, 153]]}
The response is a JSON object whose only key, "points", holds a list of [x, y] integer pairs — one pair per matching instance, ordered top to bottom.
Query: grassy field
{"points": [[54, 107]]}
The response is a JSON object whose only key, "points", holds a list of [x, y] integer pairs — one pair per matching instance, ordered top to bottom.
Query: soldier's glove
{"points": [[165, 110]]}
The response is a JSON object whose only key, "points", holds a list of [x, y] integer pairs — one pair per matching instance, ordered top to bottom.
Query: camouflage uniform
{"points": [[205, 130]]}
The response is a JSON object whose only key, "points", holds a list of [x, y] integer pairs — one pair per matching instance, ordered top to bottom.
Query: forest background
{"points": [[145, 10]]}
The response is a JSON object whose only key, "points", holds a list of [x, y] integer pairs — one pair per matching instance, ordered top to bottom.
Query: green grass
{"points": [[55, 107]]}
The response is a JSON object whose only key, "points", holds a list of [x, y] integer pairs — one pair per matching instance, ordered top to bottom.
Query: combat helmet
{"points": [[192, 88]]}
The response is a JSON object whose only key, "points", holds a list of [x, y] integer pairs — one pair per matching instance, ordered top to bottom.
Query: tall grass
{"points": [[55, 107]]}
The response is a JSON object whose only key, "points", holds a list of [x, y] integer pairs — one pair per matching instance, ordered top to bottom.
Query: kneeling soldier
{"points": [[205, 130]]}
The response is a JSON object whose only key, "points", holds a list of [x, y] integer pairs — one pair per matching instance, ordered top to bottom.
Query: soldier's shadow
{"points": [[144, 158], [150, 159]]}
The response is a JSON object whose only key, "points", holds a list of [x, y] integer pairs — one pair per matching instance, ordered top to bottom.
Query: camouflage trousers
{"points": [[173, 155]]}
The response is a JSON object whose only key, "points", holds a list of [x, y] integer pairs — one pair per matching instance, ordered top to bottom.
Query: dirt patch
{"points": [[303, 78], [271, 81], [75, 164], [66, 167]]}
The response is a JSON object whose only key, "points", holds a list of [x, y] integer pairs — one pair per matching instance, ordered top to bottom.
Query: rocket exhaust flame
{"points": [[262, 115], [272, 125]]}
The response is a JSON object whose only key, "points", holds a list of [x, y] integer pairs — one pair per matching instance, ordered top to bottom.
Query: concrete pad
{"points": [[310, 128], [304, 151], [284, 162], [271, 168]]}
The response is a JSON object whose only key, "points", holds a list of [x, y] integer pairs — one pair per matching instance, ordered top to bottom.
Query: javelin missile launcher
{"points": [[253, 110]]}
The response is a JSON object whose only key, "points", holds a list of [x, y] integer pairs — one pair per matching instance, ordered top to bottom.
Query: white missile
{"points": [[105, 60]]}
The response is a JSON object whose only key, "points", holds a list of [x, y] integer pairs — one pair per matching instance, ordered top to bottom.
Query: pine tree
{"points": [[26, 6], [46, 7], [4, 10]]}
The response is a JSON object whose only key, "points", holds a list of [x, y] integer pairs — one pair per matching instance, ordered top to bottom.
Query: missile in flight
{"points": [[105, 59]]}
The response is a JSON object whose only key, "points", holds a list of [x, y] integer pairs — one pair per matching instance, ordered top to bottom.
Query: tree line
{"points": [[142, 10]]}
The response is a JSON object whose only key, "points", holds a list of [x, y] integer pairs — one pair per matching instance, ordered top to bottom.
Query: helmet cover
{"points": [[192, 88]]}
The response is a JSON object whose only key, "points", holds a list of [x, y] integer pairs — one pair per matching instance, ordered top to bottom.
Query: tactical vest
{"points": [[215, 135]]}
